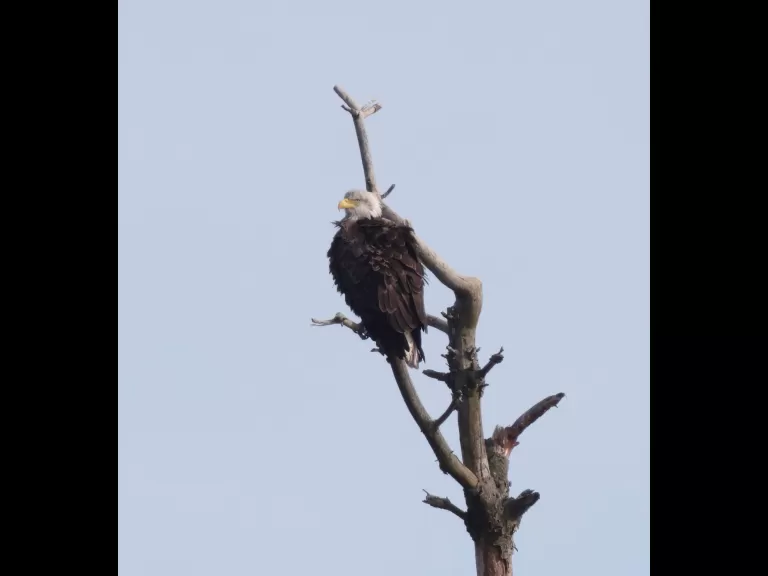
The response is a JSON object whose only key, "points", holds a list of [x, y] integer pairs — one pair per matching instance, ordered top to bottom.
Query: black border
{"points": [[58, 78]]}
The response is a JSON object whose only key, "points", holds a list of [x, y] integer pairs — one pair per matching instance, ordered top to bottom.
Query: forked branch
{"points": [[358, 116], [465, 285], [468, 291], [449, 463]]}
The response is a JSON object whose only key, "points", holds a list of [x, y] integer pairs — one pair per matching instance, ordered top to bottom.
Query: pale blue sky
{"points": [[251, 443]]}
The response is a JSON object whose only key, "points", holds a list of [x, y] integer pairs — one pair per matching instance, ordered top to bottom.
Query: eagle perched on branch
{"points": [[375, 266]]}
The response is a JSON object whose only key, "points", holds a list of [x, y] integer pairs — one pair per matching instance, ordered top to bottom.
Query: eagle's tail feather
{"points": [[411, 353]]}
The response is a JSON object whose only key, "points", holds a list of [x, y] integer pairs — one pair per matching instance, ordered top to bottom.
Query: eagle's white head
{"points": [[360, 204]]}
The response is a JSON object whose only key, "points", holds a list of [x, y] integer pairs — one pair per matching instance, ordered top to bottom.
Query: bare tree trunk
{"points": [[491, 516], [489, 561]]}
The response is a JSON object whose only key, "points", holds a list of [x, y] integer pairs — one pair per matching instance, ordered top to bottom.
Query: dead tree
{"points": [[491, 516]]}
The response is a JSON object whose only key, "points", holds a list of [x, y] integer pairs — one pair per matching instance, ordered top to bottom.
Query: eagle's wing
{"points": [[397, 273]]}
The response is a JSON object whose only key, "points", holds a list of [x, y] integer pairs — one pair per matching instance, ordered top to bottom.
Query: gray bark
{"points": [[491, 517]]}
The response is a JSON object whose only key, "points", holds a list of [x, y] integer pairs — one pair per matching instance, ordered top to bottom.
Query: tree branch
{"points": [[347, 99], [371, 108], [358, 117], [388, 192], [466, 285], [466, 312], [339, 318], [437, 323], [357, 328], [492, 361], [441, 376], [448, 411], [534, 413], [506, 438], [473, 452], [449, 463], [443, 504], [514, 508], [490, 513]]}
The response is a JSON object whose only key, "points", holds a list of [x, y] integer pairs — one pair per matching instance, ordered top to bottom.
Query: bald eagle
{"points": [[375, 266]]}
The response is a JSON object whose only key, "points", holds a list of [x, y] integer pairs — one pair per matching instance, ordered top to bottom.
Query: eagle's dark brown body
{"points": [[375, 266]]}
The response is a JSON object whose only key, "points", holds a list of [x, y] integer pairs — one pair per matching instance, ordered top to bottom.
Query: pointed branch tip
{"points": [[343, 321], [497, 358], [443, 504]]}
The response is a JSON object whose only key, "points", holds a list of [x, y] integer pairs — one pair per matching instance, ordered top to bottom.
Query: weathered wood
{"points": [[492, 516]]}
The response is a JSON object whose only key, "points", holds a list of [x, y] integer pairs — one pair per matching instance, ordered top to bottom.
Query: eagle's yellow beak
{"points": [[347, 203]]}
